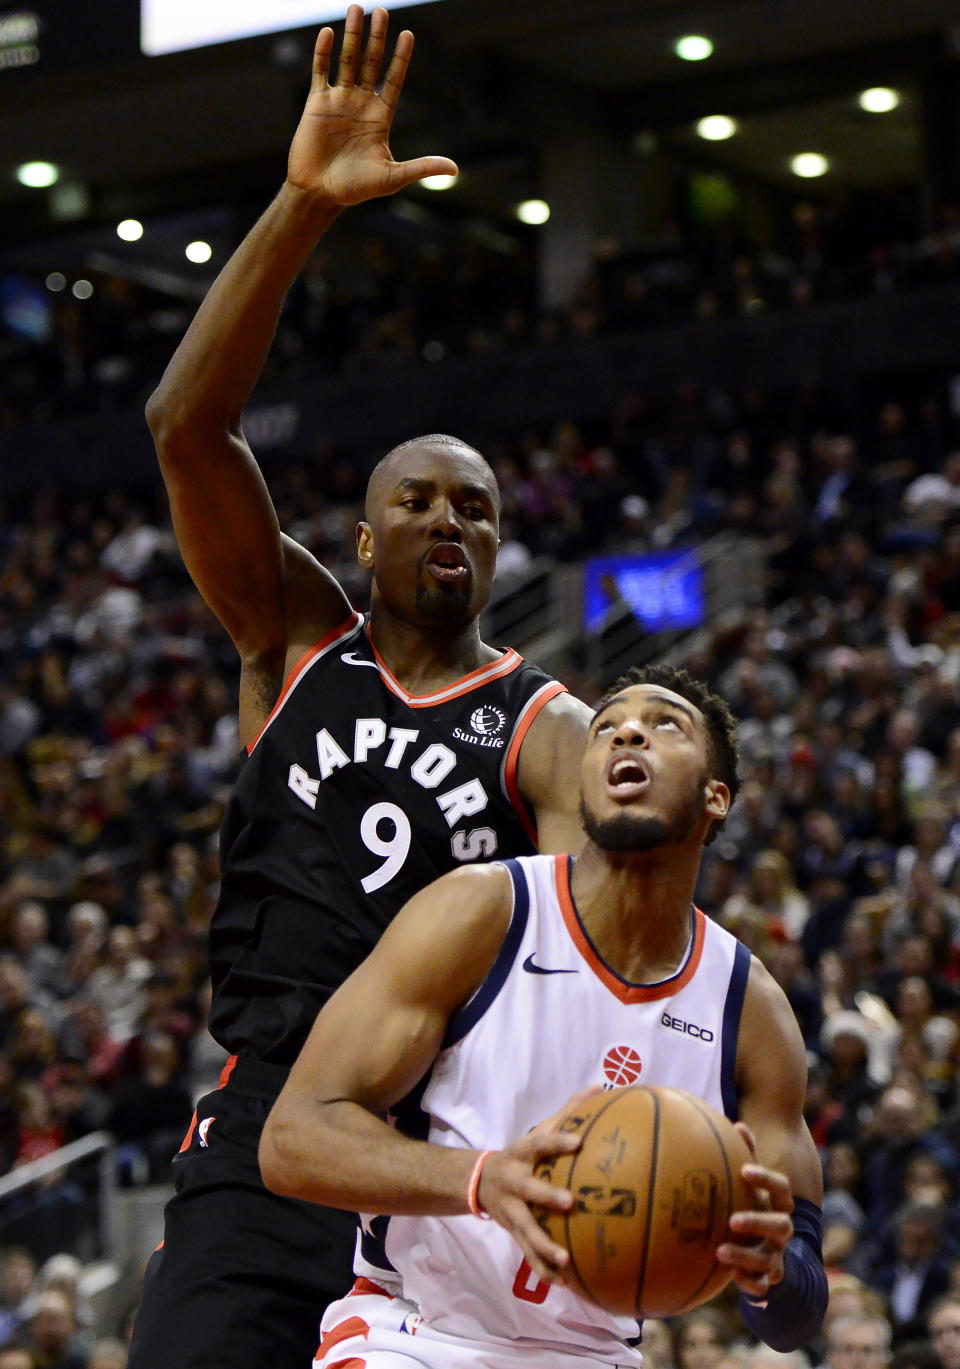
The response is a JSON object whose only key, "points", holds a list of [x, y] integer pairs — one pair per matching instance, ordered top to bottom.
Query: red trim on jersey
{"points": [[494, 670], [293, 675], [530, 711], [627, 993], [225, 1074], [362, 1285], [344, 1330], [353, 1363]]}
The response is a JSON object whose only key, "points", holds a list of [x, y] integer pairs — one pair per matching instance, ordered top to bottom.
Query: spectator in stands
{"points": [[30, 939], [151, 1111], [917, 1272], [18, 1274], [943, 1328], [51, 1334], [859, 1341]]}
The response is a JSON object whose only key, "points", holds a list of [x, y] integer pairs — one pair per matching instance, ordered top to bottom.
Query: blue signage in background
{"points": [[664, 589]]}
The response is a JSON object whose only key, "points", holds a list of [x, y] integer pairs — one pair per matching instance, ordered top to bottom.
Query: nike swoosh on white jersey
{"points": [[351, 658]]}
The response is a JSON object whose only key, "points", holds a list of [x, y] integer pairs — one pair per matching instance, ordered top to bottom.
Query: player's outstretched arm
{"points": [[271, 596], [373, 1042], [775, 1249]]}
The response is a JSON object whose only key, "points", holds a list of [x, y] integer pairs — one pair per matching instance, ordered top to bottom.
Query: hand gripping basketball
{"points": [[508, 1185], [756, 1258]]}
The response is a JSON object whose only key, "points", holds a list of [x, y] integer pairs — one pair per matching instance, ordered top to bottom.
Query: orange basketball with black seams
{"points": [[654, 1184]]}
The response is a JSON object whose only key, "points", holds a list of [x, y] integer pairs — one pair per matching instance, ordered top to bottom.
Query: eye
{"points": [[415, 502], [475, 511], [668, 722], [605, 726]]}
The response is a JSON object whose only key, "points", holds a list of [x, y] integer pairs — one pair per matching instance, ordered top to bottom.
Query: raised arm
{"points": [[271, 596], [548, 773], [376, 1038]]}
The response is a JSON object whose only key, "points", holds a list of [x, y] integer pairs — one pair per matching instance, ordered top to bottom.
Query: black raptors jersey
{"points": [[354, 797]]}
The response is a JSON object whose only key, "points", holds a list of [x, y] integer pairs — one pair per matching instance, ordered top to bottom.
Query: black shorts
{"points": [[242, 1276]]}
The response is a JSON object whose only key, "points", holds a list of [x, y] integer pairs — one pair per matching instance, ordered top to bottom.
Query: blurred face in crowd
{"points": [[16, 1278], [53, 1322], [943, 1326], [858, 1343], [699, 1344]]}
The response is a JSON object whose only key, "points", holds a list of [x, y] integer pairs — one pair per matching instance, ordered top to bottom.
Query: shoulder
{"points": [[558, 732], [448, 935], [769, 1042]]}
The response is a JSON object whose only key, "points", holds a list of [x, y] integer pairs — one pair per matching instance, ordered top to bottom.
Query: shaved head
{"points": [[386, 471]]}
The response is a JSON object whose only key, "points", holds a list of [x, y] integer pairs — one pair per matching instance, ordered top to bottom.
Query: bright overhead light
{"points": [[693, 47], [879, 99], [716, 128], [809, 165], [38, 175], [441, 182], [533, 211], [130, 230], [198, 252], [56, 281], [81, 289]]}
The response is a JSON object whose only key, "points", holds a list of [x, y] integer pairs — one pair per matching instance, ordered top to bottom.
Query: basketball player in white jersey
{"points": [[498, 992]]}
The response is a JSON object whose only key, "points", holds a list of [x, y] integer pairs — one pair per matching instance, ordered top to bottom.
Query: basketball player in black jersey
{"points": [[382, 752]]}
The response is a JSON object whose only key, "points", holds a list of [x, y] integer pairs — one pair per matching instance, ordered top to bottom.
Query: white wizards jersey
{"points": [[549, 1019]]}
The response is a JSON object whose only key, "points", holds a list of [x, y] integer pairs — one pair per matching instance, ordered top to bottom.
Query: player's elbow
{"points": [[280, 1155]]}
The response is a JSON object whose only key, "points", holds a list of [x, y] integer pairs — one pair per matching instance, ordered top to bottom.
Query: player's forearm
{"points": [[212, 373], [341, 1155]]}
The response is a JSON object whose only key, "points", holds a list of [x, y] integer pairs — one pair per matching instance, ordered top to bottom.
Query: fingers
{"points": [[350, 50], [373, 54], [321, 59], [397, 71], [405, 173], [746, 1135], [772, 1183], [775, 1227], [547, 1259]]}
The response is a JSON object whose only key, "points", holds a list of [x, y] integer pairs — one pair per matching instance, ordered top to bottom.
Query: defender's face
{"points": [[433, 535], [645, 776]]}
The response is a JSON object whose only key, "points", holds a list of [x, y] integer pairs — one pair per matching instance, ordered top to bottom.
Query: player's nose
{"points": [[446, 525], [631, 732]]}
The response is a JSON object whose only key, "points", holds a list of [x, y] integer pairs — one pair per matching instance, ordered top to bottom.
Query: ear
{"points": [[365, 545], [716, 799]]}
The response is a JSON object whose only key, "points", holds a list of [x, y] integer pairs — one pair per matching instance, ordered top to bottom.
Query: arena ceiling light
{"points": [[693, 47], [878, 99], [716, 128], [809, 165], [38, 175], [441, 182], [533, 211], [130, 230], [198, 252]]}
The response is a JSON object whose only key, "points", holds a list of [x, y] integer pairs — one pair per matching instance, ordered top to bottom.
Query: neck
{"points": [[427, 657], [636, 907]]}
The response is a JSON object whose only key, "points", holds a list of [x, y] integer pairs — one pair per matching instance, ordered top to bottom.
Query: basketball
{"points": [[654, 1183]]}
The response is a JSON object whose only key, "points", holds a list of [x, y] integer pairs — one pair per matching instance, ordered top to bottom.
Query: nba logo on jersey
{"points": [[621, 1066]]}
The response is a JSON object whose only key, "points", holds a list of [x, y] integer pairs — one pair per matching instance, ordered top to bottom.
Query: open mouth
{"points": [[447, 562], [626, 777]]}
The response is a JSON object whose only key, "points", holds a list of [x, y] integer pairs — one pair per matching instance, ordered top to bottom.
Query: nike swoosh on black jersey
{"points": [[351, 658], [532, 968]]}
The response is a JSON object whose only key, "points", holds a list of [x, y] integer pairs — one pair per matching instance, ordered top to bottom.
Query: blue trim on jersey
{"points": [[470, 1014], [730, 1030]]}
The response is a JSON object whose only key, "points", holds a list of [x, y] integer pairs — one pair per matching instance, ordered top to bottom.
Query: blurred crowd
{"points": [[372, 300], [839, 866]]}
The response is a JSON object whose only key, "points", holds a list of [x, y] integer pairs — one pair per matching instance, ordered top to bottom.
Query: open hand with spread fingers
{"points": [[340, 152], [760, 1236]]}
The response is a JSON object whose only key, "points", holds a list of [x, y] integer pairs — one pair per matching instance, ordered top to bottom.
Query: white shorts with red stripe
{"points": [[370, 1329]]}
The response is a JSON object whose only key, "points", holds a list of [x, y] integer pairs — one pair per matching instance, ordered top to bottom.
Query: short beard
{"points": [[444, 605], [625, 833]]}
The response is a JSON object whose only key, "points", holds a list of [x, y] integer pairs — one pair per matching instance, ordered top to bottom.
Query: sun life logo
{"points": [[487, 720], [621, 1066]]}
